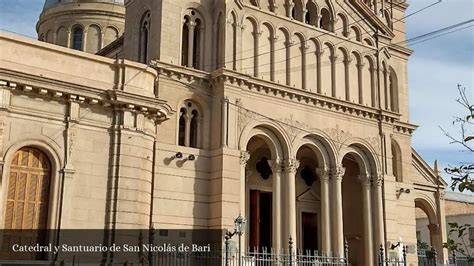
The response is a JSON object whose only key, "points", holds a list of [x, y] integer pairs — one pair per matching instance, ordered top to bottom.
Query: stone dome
{"points": [[49, 3], [85, 25]]}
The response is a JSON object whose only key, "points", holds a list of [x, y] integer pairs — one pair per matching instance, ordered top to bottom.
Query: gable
{"points": [[426, 174]]}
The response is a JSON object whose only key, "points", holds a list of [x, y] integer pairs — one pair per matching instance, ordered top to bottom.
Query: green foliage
{"points": [[461, 232]]}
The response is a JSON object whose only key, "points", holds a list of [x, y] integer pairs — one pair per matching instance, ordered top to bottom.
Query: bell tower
{"points": [[85, 25], [175, 32]]}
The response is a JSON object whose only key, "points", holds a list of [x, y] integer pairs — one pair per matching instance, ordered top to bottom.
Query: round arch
{"points": [[271, 134], [52, 151]]}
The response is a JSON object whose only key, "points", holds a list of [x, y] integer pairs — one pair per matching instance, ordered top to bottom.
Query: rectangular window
{"points": [[418, 235]]}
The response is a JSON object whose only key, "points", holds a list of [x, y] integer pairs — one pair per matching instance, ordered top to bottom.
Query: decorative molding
{"points": [[244, 115], [293, 127], [338, 136], [244, 158], [276, 165], [291, 165], [338, 172]]}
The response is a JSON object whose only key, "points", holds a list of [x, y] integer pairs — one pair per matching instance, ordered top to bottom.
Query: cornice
{"points": [[369, 14], [271, 89], [62, 92]]}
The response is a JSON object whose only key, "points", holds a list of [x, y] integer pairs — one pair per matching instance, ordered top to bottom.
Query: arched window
{"points": [[297, 10], [311, 16], [325, 21], [357, 33], [111, 34], [61, 37], [77, 38], [144, 38], [93, 39], [192, 40], [185, 42], [197, 44], [393, 85], [182, 127], [189, 128], [193, 131], [396, 161], [27, 197]]}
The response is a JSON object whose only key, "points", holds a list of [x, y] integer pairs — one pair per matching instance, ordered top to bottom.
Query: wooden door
{"points": [[27, 197], [310, 231], [254, 240]]}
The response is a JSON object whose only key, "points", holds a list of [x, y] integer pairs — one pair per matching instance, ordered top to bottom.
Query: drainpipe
{"points": [[382, 141]]}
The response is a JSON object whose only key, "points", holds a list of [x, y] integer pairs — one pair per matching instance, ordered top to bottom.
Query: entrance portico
{"points": [[310, 193]]}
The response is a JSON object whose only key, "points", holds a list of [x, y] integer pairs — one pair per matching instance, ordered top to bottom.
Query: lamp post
{"points": [[239, 228]]}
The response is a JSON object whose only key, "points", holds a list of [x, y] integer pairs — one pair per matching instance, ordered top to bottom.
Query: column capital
{"points": [[244, 157], [276, 165], [291, 165], [338, 172], [323, 173], [365, 179], [378, 179], [433, 228]]}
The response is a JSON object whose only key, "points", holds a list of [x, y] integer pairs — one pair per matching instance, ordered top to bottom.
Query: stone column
{"points": [[191, 26], [288, 45], [304, 48], [360, 67], [318, 71], [333, 75], [347, 81], [225, 103], [187, 129], [244, 157], [276, 166], [291, 166], [323, 174], [378, 208], [367, 218], [338, 227], [435, 237]]}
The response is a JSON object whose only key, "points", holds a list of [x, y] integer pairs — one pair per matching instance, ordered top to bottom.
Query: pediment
{"points": [[426, 174], [308, 196]]}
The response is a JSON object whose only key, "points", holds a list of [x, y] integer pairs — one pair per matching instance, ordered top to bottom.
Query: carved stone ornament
{"points": [[244, 115], [293, 127], [72, 133], [338, 136], [375, 143], [244, 157], [276, 165], [291, 165], [338, 172], [323, 173], [364, 179]]}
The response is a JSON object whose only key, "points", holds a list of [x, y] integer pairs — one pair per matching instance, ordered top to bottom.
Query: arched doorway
{"points": [[259, 196], [27, 198], [308, 201], [357, 206], [428, 233]]}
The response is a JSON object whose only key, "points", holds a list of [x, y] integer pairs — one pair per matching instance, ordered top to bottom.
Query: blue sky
{"points": [[435, 68]]}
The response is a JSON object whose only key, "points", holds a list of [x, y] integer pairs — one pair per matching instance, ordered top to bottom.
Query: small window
{"points": [[325, 21], [77, 38], [189, 125], [182, 127], [263, 168], [308, 176]]}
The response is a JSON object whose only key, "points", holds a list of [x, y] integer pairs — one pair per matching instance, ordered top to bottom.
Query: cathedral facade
{"points": [[178, 114]]}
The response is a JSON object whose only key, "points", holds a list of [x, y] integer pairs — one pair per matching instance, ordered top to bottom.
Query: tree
{"points": [[461, 175], [462, 233]]}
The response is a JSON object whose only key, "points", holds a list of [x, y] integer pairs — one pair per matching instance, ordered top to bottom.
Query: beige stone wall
{"points": [[95, 119]]}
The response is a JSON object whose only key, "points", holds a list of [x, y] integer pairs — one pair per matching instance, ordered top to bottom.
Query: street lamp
{"points": [[239, 228]]}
